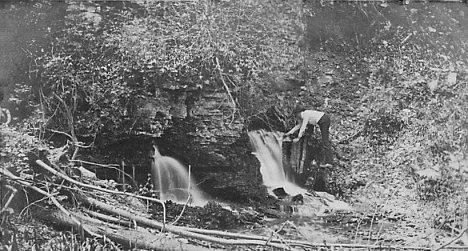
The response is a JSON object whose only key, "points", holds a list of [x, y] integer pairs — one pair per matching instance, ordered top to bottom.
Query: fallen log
{"points": [[24, 183], [97, 188], [108, 219], [151, 223], [155, 224], [182, 231], [197, 234], [125, 236], [133, 238], [140, 238]]}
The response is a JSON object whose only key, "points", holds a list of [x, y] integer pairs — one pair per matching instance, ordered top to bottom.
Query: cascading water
{"points": [[268, 150], [172, 181]]}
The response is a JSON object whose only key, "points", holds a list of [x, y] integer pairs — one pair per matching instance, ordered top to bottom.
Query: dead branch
{"points": [[218, 67], [71, 125], [60, 132], [79, 144], [109, 166], [112, 166], [65, 177], [17, 179], [12, 195], [188, 197], [107, 218], [181, 231], [275, 233], [124, 235], [460, 235], [133, 238], [237, 239], [240, 239]]}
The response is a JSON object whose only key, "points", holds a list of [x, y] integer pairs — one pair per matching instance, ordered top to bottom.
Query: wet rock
{"points": [[217, 157], [280, 193], [298, 199]]}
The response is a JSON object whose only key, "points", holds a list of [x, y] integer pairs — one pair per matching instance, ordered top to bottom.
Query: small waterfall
{"points": [[268, 150], [171, 180]]}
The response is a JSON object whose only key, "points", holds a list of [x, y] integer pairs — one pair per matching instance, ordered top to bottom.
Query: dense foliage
{"points": [[112, 56], [413, 121]]}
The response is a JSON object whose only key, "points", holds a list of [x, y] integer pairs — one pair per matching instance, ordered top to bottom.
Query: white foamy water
{"points": [[268, 150], [171, 179]]}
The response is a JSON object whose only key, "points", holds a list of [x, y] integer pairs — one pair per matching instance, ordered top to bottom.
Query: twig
{"points": [[406, 38], [218, 67], [8, 115], [43, 119], [71, 125], [60, 132], [78, 144], [96, 164], [110, 166], [122, 172], [7, 173], [65, 177], [135, 185], [13, 193], [188, 197], [30, 204], [107, 218], [372, 224], [358, 226], [295, 227], [174, 229], [275, 233], [140, 239], [453, 240]]}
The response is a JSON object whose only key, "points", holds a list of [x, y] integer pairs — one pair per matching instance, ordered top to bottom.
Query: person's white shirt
{"points": [[307, 117]]}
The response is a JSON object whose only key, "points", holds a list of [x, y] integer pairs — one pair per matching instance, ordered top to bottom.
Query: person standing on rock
{"points": [[312, 117]]}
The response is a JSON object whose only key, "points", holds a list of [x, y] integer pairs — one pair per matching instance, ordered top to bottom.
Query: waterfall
{"points": [[268, 150], [172, 180]]}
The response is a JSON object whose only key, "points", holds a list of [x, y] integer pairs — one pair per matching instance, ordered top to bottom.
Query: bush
{"points": [[110, 57]]}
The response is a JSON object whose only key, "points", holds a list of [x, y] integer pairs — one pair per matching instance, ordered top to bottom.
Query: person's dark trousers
{"points": [[324, 124]]}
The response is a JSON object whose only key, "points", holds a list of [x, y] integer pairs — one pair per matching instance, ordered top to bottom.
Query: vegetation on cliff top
{"points": [[398, 100]]}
